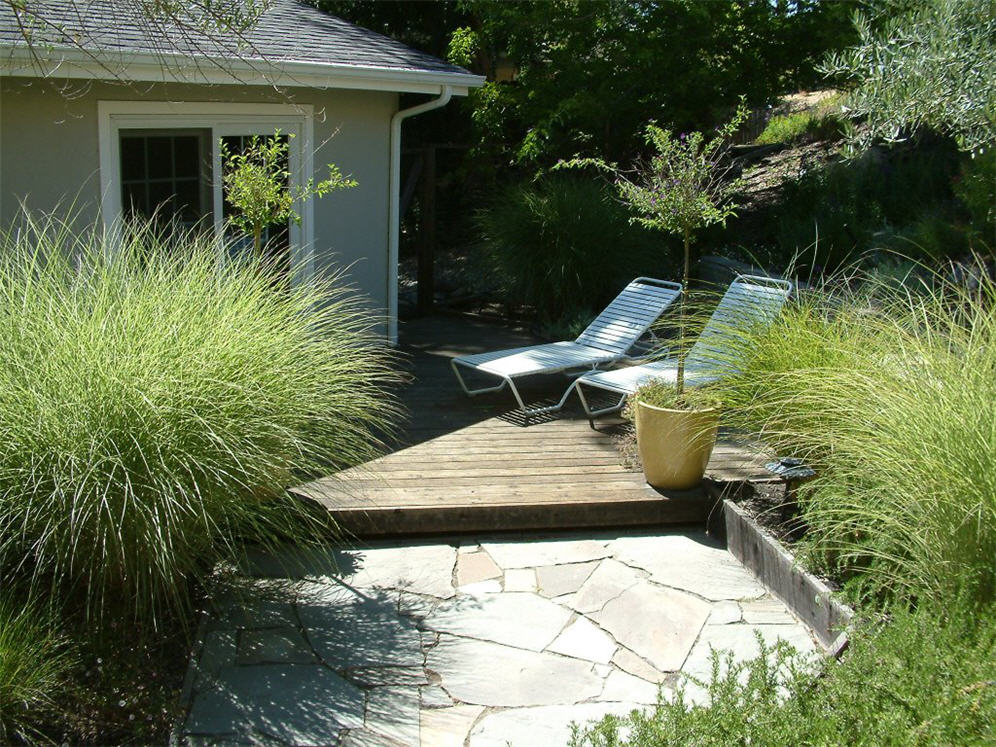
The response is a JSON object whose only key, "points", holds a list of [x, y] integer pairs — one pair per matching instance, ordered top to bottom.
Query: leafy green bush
{"points": [[931, 64], [819, 122], [833, 213], [564, 242], [891, 393], [155, 404], [34, 665], [926, 677]]}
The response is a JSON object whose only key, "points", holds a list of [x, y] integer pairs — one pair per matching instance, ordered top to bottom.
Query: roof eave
{"points": [[176, 68]]}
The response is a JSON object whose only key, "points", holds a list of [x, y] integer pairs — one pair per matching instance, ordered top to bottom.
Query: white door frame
{"points": [[220, 119]]}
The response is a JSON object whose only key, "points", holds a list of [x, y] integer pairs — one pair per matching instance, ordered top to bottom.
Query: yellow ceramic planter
{"points": [[675, 445]]}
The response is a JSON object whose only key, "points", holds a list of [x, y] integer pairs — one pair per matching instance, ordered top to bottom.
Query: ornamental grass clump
{"points": [[891, 394], [155, 404]]}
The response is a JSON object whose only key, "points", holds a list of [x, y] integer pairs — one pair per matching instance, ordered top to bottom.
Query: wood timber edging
{"points": [[810, 599]]}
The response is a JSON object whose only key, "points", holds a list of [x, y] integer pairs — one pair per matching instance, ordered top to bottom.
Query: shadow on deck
{"points": [[471, 464]]}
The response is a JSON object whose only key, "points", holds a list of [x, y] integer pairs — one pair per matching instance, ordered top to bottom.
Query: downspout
{"points": [[394, 217]]}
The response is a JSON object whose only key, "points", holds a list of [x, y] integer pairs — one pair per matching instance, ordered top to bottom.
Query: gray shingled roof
{"points": [[290, 30]]}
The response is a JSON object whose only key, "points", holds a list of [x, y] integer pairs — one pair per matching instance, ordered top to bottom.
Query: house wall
{"points": [[49, 158]]}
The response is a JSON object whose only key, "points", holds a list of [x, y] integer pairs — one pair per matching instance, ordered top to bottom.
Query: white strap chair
{"points": [[750, 300], [608, 339]]}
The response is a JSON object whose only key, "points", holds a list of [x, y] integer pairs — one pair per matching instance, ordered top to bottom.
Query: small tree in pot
{"points": [[682, 186]]}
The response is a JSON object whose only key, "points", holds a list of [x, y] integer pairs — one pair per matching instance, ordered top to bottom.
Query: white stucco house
{"points": [[111, 112]]}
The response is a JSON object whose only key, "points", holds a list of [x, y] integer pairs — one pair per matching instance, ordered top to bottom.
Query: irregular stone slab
{"points": [[534, 553], [296, 562], [693, 563], [475, 566], [423, 569], [520, 579], [610, 579], [556, 580], [491, 586], [416, 606], [246, 610], [767, 611], [725, 613], [514, 619], [658, 624], [347, 629], [582, 639], [274, 646], [219, 650], [627, 661], [484, 673], [378, 676], [625, 688], [433, 696], [295, 703], [393, 712], [549, 725], [448, 727], [367, 738]]}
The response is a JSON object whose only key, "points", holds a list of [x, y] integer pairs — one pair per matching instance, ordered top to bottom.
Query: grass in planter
{"points": [[891, 394], [155, 404], [926, 677]]}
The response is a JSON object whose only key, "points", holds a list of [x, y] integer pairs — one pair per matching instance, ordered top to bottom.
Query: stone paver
{"points": [[693, 562], [474, 567], [520, 579], [557, 580], [658, 624], [582, 639], [477, 642]]}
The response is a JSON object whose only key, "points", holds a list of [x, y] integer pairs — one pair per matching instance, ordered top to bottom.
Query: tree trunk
{"points": [[682, 321]]}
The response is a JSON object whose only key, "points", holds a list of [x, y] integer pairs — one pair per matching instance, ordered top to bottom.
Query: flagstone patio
{"points": [[475, 641]]}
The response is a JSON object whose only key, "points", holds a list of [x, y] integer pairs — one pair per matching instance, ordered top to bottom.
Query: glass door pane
{"points": [[166, 176]]}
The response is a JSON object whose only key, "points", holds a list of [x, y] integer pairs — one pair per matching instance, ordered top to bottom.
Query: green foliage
{"points": [[932, 65], [587, 74], [821, 122], [257, 184], [683, 186], [976, 188], [832, 214], [562, 242], [890, 392], [660, 393], [154, 406], [35, 663], [926, 677]]}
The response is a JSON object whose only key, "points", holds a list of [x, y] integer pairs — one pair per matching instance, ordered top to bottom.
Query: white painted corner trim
{"points": [[220, 119]]}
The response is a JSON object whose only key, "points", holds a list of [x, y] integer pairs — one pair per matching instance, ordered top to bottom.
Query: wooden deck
{"points": [[471, 464]]}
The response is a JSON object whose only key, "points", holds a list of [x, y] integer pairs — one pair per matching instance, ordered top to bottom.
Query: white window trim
{"points": [[221, 119]]}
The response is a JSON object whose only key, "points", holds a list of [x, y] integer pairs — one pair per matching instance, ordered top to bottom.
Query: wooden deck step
{"points": [[468, 465]]}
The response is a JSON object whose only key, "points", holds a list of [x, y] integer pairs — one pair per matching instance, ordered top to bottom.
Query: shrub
{"points": [[821, 122], [845, 208], [564, 242], [891, 393], [155, 404], [34, 666], [927, 677]]}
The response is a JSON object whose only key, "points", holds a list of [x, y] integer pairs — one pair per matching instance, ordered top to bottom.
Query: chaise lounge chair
{"points": [[750, 300], [608, 339]]}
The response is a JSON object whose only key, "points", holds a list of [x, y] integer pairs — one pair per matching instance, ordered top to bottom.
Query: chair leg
{"points": [[473, 392], [592, 414]]}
